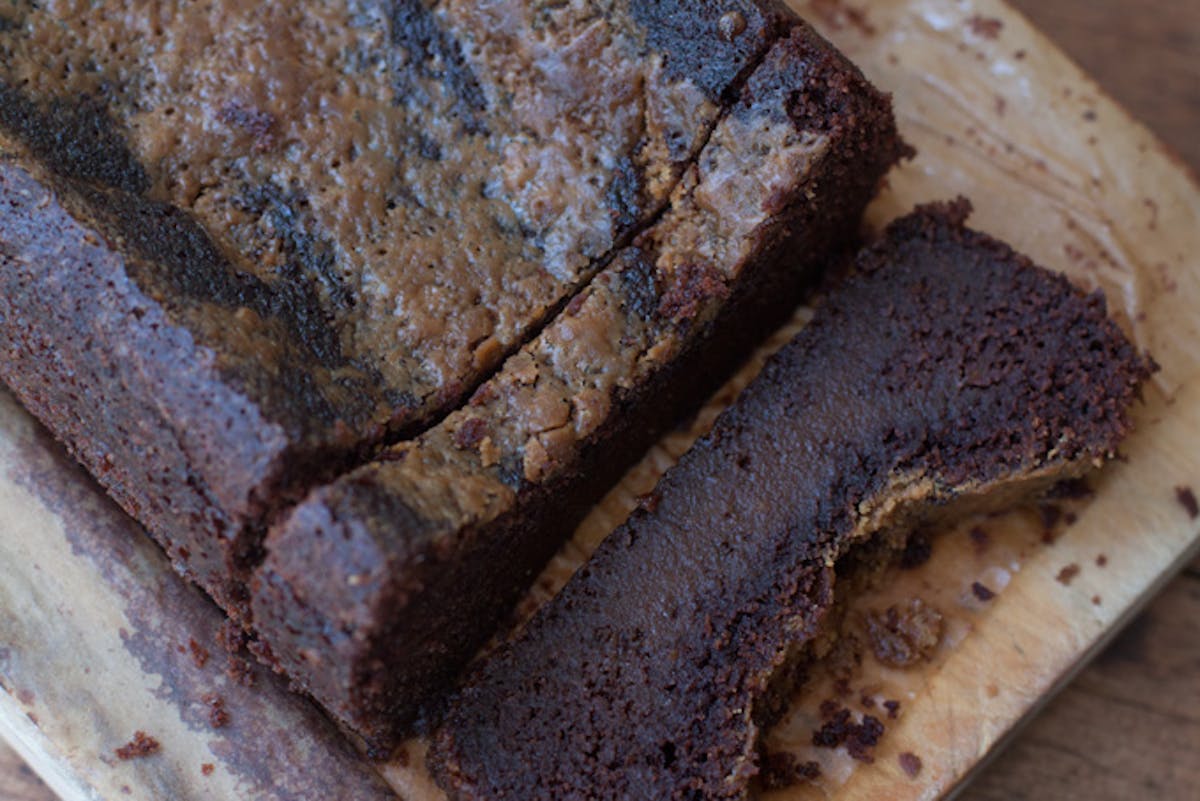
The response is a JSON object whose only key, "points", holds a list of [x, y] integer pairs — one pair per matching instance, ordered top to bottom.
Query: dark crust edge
{"points": [[153, 380]]}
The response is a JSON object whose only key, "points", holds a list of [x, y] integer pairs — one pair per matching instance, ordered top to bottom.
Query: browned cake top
{"points": [[417, 183]]}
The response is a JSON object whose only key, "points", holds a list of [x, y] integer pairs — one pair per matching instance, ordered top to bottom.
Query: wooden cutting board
{"points": [[98, 639]]}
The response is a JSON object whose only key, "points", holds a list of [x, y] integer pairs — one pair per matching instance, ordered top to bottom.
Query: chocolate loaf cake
{"points": [[245, 245], [946, 371], [423, 552]]}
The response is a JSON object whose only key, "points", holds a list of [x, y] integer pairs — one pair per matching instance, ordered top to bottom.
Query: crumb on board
{"points": [[838, 15], [985, 27], [1187, 499], [980, 538], [1101, 560], [1067, 574], [982, 591], [905, 634], [200, 654], [240, 670], [893, 709], [218, 715], [860, 738], [142, 745], [910, 763], [207, 769], [782, 770]]}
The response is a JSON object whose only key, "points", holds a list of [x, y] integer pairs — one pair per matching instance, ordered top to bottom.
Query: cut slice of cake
{"points": [[245, 244], [946, 372], [379, 587]]}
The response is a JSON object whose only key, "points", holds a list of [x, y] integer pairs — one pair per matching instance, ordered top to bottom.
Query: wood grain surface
{"points": [[1130, 725]]}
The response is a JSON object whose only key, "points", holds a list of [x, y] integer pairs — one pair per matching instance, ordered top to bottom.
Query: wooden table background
{"points": [[1129, 726]]}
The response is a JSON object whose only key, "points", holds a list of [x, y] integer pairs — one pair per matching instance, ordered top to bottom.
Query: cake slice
{"points": [[244, 245], [947, 372], [379, 587]]}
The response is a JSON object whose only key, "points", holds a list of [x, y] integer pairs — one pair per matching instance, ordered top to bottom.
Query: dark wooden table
{"points": [[1129, 727]]}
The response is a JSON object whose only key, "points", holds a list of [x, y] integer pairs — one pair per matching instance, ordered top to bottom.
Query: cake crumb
{"points": [[838, 16], [985, 27], [1187, 499], [649, 501], [980, 538], [1101, 560], [1067, 574], [982, 591], [1096, 600], [904, 634], [200, 654], [240, 670], [893, 709], [218, 716], [833, 732], [859, 738], [862, 741], [142, 745], [910, 763], [207, 769], [782, 770]]}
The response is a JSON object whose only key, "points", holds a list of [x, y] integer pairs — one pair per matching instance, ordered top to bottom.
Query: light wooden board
{"points": [[92, 619]]}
